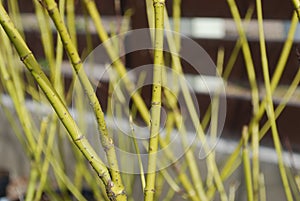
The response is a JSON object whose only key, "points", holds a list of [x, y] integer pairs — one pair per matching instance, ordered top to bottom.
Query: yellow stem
{"points": [[156, 99]]}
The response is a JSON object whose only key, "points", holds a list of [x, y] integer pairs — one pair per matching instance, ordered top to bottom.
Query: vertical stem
{"points": [[70, 8], [176, 18], [46, 36], [58, 83], [156, 98], [269, 105], [137, 149], [255, 161], [247, 166], [34, 174], [262, 188]]}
